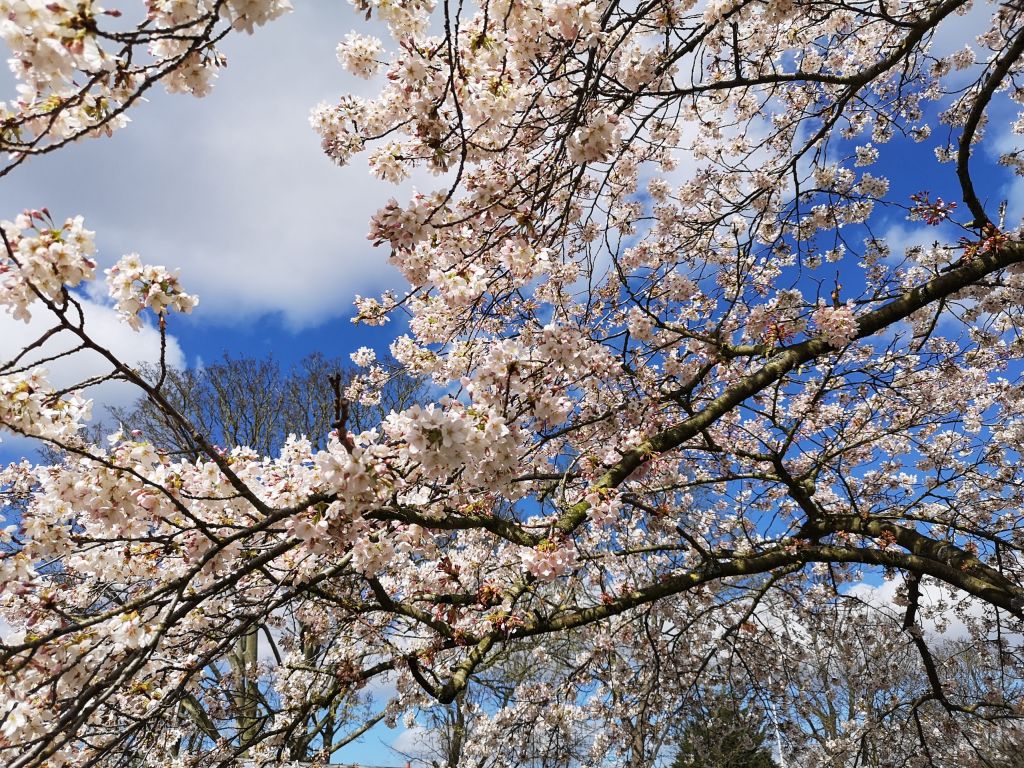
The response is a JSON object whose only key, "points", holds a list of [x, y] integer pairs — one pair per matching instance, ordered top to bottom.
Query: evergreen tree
{"points": [[723, 735]]}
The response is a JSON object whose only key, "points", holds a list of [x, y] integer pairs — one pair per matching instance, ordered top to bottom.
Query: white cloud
{"points": [[957, 30], [1006, 141], [234, 188], [1014, 194], [902, 238], [937, 616], [383, 688], [414, 742]]}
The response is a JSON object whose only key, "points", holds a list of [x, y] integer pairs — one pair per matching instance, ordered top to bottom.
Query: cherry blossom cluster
{"points": [[360, 54], [594, 142], [41, 258], [135, 286], [779, 320], [837, 325], [29, 405], [442, 440], [548, 560]]}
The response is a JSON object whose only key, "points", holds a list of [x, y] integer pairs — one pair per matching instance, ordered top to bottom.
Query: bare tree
{"points": [[253, 402]]}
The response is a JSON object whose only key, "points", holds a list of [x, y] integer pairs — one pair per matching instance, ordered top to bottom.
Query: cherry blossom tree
{"points": [[693, 392]]}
